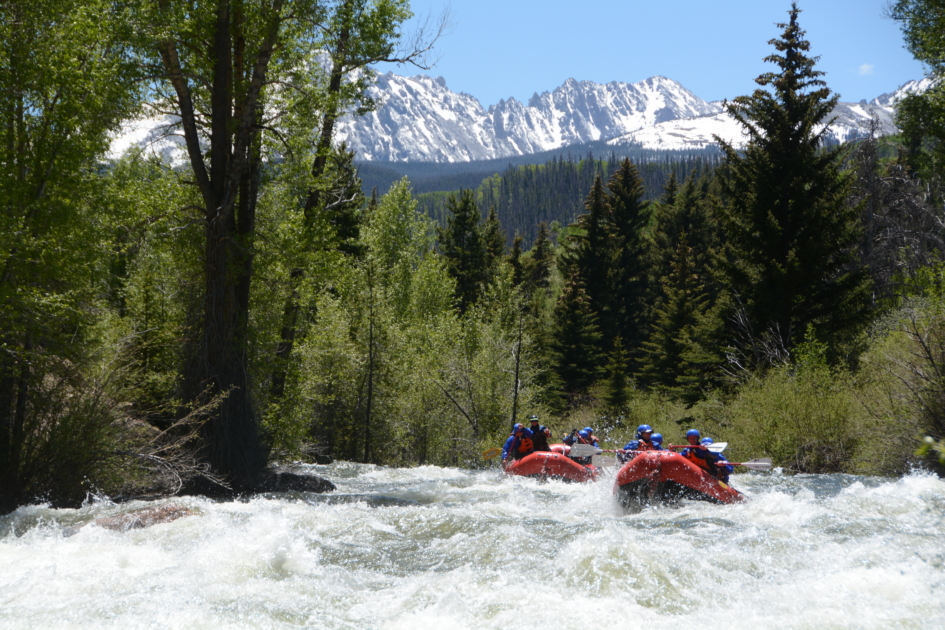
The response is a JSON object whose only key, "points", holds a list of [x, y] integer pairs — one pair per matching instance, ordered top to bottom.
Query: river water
{"points": [[445, 548]]}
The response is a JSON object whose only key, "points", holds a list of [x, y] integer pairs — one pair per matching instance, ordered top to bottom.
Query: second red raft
{"points": [[554, 464], [666, 477]]}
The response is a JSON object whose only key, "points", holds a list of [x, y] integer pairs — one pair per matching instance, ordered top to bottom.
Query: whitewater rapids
{"points": [[433, 547]]}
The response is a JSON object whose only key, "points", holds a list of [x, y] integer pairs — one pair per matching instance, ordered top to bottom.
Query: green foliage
{"points": [[64, 83], [921, 117], [528, 195], [630, 216], [464, 246], [590, 255], [790, 256], [574, 350], [682, 354], [617, 384], [804, 421]]}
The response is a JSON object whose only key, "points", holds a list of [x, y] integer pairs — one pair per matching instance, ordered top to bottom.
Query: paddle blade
{"points": [[718, 447], [583, 450], [492, 452], [603, 461], [758, 464]]}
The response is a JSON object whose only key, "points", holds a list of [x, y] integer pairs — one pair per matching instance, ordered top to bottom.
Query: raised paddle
{"points": [[492, 452]]}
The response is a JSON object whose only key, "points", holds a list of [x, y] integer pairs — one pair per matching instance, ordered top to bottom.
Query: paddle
{"points": [[717, 447], [584, 450], [492, 452], [603, 462], [755, 464]]}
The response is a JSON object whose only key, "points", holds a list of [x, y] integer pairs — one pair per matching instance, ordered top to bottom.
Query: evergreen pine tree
{"points": [[668, 198], [344, 201], [629, 215], [688, 216], [494, 241], [461, 243], [790, 255], [591, 256], [515, 261], [538, 264], [575, 338], [681, 354], [616, 394]]}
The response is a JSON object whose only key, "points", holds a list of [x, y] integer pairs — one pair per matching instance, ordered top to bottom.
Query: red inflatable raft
{"points": [[554, 464], [666, 477]]}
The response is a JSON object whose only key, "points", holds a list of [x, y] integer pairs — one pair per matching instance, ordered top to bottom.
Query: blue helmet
{"points": [[518, 427], [643, 428], [588, 429], [693, 433], [584, 434], [657, 437], [707, 440]]}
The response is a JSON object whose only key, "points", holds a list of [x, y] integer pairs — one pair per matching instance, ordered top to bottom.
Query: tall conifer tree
{"points": [[629, 215], [493, 240], [464, 247], [790, 254], [591, 256], [538, 264], [574, 346], [681, 354]]}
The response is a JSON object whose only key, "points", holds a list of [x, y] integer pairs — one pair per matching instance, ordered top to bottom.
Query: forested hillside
{"points": [[525, 196]]}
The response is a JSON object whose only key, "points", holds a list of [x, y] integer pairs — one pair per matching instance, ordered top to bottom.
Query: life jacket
{"points": [[643, 445], [524, 447], [693, 455]]}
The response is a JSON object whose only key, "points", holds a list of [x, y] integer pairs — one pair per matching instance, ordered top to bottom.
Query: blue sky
{"points": [[513, 48]]}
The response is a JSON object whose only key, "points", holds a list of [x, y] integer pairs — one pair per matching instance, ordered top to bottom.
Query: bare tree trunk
{"points": [[518, 363]]}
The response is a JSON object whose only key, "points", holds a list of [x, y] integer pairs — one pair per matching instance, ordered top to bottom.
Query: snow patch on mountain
{"points": [[422, 120], [847, 121]]}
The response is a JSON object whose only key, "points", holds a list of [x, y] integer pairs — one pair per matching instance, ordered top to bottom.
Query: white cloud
{"points": [[866, 68]]}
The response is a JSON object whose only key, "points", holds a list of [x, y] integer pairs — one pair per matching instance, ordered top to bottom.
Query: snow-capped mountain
{"points": [[911, 87], [421, 120], [849, 121]]}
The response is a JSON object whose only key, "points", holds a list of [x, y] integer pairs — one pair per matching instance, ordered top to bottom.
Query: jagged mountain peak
{"points": [[909, 87], [420, 119], [424, 121]]}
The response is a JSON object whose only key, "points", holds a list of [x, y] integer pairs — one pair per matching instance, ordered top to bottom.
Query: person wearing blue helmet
{"points": [[584, 436], [657, 441], [642, 442], [519, 443], [699, 455], [718, 468]]}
